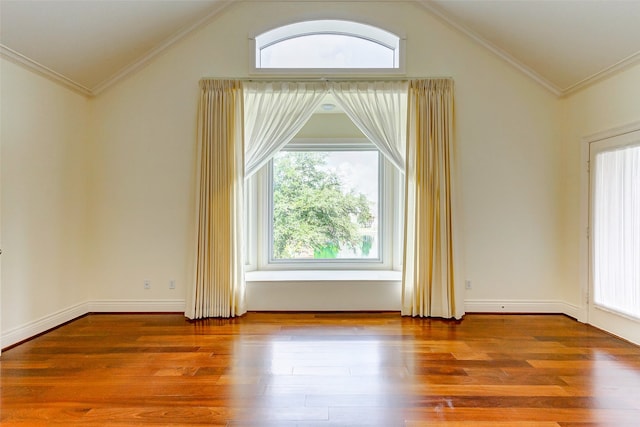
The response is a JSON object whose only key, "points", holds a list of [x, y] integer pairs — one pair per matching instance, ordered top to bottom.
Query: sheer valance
{"points": [[379, 110], [274, 113]]}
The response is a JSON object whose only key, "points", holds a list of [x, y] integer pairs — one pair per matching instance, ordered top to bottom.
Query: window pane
{"points": [[326, 51], [325, 205], [616, 224]]}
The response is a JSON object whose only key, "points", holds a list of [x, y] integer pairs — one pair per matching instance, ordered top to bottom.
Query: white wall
{"points": [[609, 104], [508, 144], [44, 203]]}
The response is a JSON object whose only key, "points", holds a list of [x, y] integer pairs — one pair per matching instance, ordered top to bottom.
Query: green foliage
{"points": [[311, 212], [367, 243], [327, 252]]}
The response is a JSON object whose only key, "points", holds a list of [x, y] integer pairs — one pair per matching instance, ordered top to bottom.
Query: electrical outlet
{"points": [[147, 284], [172, 284], [467, 284]]}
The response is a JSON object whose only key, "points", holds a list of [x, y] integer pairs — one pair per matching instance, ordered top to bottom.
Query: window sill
{"points": [[324, 276]]}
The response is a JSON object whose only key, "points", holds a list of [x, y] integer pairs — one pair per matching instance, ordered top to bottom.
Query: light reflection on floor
{"points": [[306, 378]]}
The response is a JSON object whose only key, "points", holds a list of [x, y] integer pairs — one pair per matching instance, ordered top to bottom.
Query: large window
{"points": [[327, 44], [325, 205]]}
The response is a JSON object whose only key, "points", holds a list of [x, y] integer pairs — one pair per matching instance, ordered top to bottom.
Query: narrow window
{"points": [[616, 224]]}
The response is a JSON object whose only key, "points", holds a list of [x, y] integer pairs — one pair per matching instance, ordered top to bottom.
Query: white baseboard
{"points": [[136, 306], [522, 306], [574, 311], [53, 320], [43, 324], [33, 328]]}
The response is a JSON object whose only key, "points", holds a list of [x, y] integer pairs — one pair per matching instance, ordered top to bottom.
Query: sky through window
{"points": [[327, 44]]}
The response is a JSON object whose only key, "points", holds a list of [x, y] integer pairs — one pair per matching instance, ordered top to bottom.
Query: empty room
{"points": [[320, 213]]}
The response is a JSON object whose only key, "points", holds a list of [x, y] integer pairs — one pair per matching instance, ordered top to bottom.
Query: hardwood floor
{"points": [[333, 369]]}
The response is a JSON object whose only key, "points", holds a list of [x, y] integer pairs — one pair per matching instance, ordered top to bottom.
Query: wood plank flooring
{"points": [[322, 369]]}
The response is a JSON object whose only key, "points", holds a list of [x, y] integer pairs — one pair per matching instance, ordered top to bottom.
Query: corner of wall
{"points": [[44, 209]]}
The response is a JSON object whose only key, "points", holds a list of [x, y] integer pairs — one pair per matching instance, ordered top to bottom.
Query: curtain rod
{"points": [[327, 79]]}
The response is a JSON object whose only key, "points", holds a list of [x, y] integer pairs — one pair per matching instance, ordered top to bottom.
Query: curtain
{"points": [[379, 110], [274, 113], [267, 116], [616, 230], [428, 282], [218, 289]]}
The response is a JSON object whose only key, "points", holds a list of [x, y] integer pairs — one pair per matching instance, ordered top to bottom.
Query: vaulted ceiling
{"points": [[90, 44]]}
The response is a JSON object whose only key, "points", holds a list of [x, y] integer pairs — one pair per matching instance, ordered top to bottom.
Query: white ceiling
{"points": [[91, 41], [564, 42], [90, 44]]}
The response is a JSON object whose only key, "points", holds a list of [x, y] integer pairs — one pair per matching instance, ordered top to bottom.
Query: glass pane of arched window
{"points": [[327, 51]]}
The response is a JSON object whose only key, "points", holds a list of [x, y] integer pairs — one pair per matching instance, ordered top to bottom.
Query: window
{"points": [[327, 44], [325, 204], [345, 213], [616, 230], [613, 233]]}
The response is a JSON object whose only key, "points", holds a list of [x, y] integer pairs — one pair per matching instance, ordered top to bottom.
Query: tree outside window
{"points": [[322, 208]]}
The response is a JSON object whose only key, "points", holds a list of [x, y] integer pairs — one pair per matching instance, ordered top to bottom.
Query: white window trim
{"points": [[342, 27], [316, 145], [258, 249], [378, 276]]}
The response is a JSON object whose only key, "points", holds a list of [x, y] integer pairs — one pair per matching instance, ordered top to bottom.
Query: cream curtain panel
{"points": [[379, 110], [274, 113], [428, 280], [219, 289]]}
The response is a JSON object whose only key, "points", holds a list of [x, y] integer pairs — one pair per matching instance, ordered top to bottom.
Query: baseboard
{"points": [[136, 306], [522, 306], [574, 311], [56, 319], [35, 327]]}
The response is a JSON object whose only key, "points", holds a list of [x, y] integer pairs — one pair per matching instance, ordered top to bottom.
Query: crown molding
{"points": [[438, 13], [159, 49], [29, 63], [44, 71], [603, 74], [559, 92]]}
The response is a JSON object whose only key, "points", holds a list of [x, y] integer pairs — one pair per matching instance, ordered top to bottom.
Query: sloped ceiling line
{"points": [[442, 16], [455, 18], [159, 49], [38, 68], [47, 72], [600, 75]]}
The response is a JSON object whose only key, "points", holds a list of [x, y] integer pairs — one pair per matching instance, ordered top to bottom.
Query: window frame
{"points": [[372, 33], [298, 146], [260, 210]]}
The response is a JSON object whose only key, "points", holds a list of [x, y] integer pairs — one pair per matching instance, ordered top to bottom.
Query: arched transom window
{"points": [[327, 44]]}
